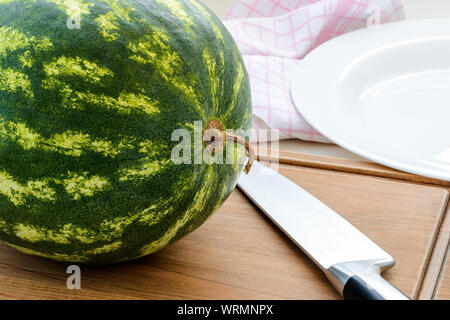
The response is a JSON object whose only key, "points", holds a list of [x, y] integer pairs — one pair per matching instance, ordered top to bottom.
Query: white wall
{"points": [[218, 6], [415, 9], [427, 9]]}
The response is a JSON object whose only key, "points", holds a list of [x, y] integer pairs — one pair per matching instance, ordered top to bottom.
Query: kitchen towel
{"points": [[274, 35]]}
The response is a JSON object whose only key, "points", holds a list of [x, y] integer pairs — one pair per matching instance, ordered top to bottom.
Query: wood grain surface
{"points": [[240, 254], [434, 275], [442, 291]]}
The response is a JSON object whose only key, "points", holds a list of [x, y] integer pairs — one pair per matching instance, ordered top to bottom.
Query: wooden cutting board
{"points": [[240, 254], [442, 288]]}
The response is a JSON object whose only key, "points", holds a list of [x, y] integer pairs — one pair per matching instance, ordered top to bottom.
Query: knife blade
{"points": [[352, 262]]}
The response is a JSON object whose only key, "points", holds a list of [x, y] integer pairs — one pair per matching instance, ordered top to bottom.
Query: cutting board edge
{"points": [[360, 167], [437, 258], [439, 264]]}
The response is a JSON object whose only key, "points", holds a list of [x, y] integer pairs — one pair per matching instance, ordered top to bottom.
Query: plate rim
{"points": [[395, 164]]}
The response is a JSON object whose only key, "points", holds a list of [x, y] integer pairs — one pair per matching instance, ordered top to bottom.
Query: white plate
{"points": [[383, 94]]}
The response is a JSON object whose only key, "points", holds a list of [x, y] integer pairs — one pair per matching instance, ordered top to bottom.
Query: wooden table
{"points": [[240, 254]]}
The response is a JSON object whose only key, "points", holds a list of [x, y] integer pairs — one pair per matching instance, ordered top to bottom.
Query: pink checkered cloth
{"points": [[274, 35]]}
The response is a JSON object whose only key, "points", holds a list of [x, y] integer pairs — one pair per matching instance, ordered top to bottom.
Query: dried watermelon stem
{"points": [[215, 137]]}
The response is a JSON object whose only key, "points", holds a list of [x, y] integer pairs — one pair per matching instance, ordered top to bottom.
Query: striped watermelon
{"points": [[90, 94]]}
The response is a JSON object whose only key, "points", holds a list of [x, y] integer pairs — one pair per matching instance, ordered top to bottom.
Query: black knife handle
{"points": [[362, 280], [357, 289]]}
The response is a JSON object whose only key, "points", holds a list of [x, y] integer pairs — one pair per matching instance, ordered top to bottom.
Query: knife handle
{"points": [[362, 280], [357, 289]]}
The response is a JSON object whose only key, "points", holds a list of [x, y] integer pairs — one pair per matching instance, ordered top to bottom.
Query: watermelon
{"points": [[91, 92]]}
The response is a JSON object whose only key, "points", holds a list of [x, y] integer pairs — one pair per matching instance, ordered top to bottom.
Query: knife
{"points": [[349, 259]]}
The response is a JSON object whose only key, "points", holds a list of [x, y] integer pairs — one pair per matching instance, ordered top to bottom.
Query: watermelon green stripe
{"points": [[121, 9], [178, 10], [214, 25], [109, 26], [11, 40], [26, 60], [169, 65], [68, 66], [15, 82], [215, 82], [237, 86], [86, 120], [72, 143], [146, 167], [75, 185], [83, 185], [207, 190], [17, 193], [107, 230], [81, 258]]}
